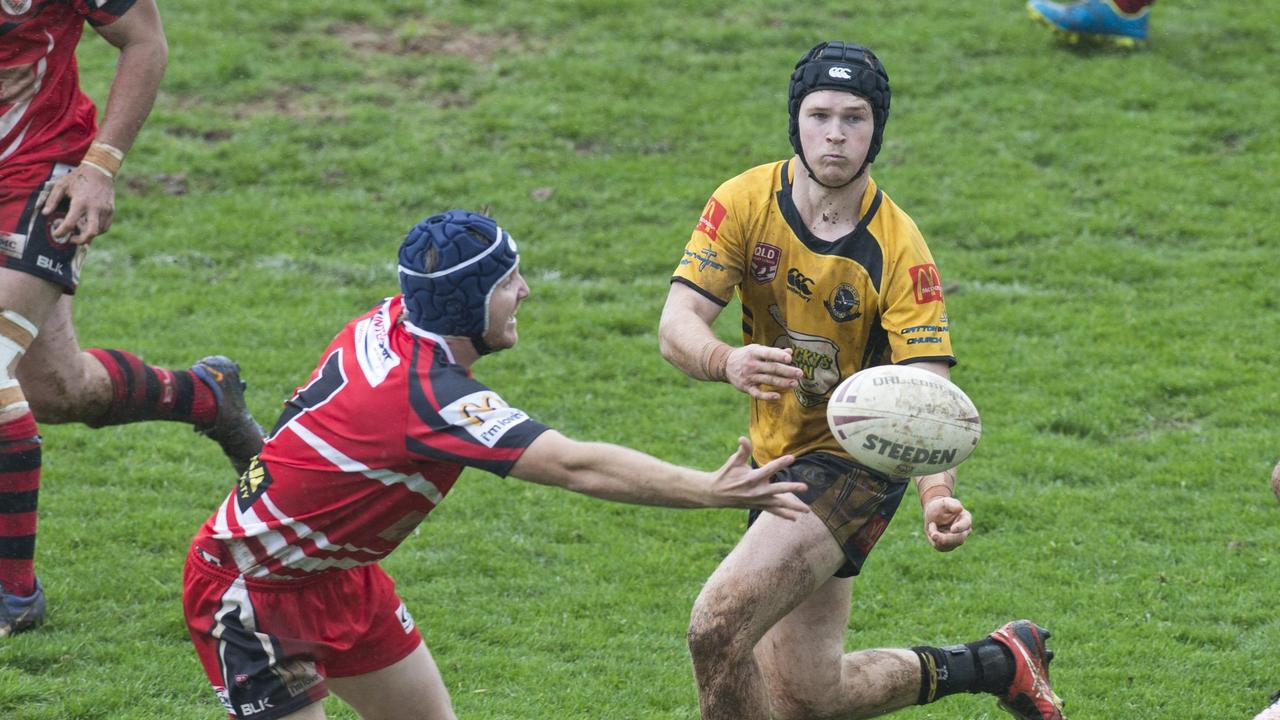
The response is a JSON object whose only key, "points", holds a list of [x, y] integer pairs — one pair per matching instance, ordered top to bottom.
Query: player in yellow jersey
{"points": [[833, 277]]}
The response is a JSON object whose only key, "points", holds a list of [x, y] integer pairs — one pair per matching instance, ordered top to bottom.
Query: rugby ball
{"points": [[903, 421]]}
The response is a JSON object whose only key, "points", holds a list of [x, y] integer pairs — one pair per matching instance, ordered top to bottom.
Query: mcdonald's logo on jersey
{"points": [[712, 215], [927, 283]]}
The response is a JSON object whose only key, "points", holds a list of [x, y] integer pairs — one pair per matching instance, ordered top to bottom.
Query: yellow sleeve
{"points": [[713, 258], [914, 313]]}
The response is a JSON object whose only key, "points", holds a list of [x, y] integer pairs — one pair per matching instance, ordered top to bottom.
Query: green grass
{"points": [[1108, 219]]}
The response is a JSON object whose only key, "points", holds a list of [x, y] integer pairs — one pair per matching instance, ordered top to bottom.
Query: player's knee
{"points": [[16, 335], [62, 391], [716, 633]]}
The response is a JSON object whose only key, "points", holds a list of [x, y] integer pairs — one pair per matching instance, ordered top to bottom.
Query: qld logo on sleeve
{"points": [[712, 215], [926, 283], [484, 415]]}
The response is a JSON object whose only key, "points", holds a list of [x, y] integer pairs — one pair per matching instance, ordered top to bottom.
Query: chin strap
{"points": [[861, 171], [482, 347]]}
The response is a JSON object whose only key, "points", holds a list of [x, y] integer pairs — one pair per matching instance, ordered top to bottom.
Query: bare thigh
{"points": [[776, 566], [411, 689]]}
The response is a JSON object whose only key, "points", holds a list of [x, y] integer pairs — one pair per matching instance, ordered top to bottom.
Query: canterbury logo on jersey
{"points": [[798, 283], [484, 415]]}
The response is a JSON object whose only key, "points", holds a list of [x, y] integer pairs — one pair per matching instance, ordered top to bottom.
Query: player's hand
{"points": [[93, 203], [751, 367], [1275, 480], [737, 484], [946, 523]]}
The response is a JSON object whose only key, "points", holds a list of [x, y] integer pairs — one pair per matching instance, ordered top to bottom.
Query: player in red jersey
{"points": [[57, 169], [283, 593]]}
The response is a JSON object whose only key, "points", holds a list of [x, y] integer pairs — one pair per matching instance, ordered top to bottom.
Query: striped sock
{"points": [[145, 392], [19, 486]]}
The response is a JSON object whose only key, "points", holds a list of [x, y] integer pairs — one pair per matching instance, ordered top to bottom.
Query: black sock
{"points": [[985, 666]]}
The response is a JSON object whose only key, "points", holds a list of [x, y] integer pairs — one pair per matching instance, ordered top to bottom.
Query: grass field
{"points": [[1107, 219]]}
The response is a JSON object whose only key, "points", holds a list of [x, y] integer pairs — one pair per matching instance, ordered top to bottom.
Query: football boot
{"points": [[1092, 20], [234, 429], [19, 614], [1029, 697]]}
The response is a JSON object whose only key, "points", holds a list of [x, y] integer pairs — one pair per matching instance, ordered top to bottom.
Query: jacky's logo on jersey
{"points": [[840, 73], [712, 215], [764, 262], [798, 283], [926, 283], [843, 303], [817, 356], [484, 415], [252, 484]]}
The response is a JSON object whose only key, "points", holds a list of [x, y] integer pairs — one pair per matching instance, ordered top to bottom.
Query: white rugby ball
{"points": [[903, 421]]}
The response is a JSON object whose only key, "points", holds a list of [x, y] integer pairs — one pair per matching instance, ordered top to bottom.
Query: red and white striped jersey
{"points": [[44, 116], [362, 452]]}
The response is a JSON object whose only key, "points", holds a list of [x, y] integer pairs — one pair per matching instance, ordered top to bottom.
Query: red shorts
{"points": [[26, 236], [267, 646]]}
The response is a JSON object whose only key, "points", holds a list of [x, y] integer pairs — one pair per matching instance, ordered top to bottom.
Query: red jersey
{"points": [[44, 116], [362, 453]]}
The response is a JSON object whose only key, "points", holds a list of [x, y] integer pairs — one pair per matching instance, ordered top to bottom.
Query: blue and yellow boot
{"points": [[1092, 20]]}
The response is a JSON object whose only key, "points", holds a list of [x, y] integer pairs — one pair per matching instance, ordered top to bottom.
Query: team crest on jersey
{"points": [[16, 7], [712, 215], [764, 262], [926, 283], [843, 304], [373, 347], [484, 415], [252, 484]]}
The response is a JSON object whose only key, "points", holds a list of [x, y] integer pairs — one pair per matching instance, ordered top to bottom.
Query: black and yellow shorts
{"points": [[855, 503]]}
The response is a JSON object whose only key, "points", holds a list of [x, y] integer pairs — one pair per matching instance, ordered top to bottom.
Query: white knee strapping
{"points": [[16, 335]]}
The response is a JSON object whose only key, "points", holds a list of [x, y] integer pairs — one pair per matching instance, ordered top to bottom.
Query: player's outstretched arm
{"points": [[687, 341], [613, 472]]}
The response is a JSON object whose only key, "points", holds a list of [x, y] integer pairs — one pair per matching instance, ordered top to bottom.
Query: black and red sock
{"points": [[142, 392], [19, 488]]}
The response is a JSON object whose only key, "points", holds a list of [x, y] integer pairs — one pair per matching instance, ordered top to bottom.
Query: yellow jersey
{"points": [[871, 297]]}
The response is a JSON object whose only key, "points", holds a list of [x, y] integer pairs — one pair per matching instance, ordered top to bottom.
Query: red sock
{"points": [[1132, 6], [145, 392], [19, 486]]}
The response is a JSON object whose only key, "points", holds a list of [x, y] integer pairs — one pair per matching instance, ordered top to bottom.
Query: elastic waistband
{"points": [[200, 560]]}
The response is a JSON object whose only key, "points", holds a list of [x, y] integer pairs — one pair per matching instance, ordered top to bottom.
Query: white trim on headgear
{"points": [[503, 237]]}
